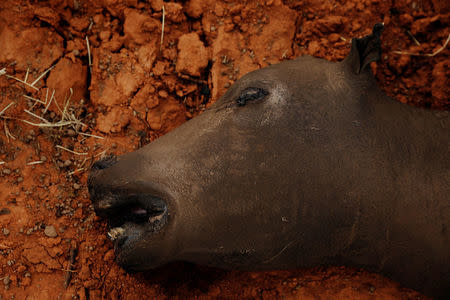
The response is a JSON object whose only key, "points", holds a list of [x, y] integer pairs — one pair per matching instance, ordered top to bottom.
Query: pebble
{"points": [[6, 171], [76, 186], [6, 231], [50, 231], [6, 280]]}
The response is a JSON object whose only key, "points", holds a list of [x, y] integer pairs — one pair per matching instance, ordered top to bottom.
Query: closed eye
{"points": [[251, 94]]}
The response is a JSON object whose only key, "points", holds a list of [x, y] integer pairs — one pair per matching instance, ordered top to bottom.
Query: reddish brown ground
{"points": [[134, 92]]}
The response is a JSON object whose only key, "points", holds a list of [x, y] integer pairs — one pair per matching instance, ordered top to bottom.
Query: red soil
{"points": [[136, 90]]}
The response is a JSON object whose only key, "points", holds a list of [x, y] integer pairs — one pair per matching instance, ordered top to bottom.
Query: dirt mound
{"points": [[85, 79]]}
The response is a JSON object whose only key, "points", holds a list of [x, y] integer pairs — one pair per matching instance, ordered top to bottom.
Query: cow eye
{"points": [[251, 94]]}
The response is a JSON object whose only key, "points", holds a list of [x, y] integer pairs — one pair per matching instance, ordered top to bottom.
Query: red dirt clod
{"points": [[192, 55]]}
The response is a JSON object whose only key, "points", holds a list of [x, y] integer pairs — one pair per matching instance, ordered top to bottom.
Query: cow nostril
{"points": [[104, 163], [138, 209]]}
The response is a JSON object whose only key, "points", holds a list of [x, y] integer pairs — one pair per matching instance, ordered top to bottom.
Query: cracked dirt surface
{"points": [[135, 90]]}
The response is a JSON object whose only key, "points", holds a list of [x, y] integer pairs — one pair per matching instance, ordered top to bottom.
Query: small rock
{"points": [[6, 171], [20, 179], [76, 186], [6, 231], [50, 231], [6, 280]]}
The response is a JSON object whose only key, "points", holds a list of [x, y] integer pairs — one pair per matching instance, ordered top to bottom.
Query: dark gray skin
{"points": [[299, 164]]}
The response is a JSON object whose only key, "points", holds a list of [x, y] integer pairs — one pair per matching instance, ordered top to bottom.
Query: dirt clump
{"points": [[193, 57], [128, 88]]}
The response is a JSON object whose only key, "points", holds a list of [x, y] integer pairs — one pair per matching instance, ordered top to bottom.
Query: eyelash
{"points": [[250, 94]]}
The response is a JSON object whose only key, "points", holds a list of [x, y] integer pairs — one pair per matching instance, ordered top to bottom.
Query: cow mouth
{"points": [[136, 211], [132, 217]]}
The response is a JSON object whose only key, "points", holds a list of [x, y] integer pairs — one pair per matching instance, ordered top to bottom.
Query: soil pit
{"points": [[83, 79]]}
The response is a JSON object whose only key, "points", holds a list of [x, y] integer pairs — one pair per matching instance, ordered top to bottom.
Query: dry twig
{"points": [[413, 38], [26, 75], [42, 75], [21, 81], [33, 99], [50, 101], [66, 104], [7, 106], [36, 116], [59, 124], [7, 133], [91, 135], [71, 151], [31, 163], [76, 171]]}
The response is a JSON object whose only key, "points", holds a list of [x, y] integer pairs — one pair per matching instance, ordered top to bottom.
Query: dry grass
{"points": [[162, 28], [413, 38], [89, 54], [426, 54], [41, 76], [21, 81], [39, 104], [7, 106], [67, 119], [7, 132], [90, 135], [71, 151], [31, 163]]}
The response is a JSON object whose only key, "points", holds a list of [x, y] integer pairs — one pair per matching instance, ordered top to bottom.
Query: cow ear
{"points": [[365, 50]]}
